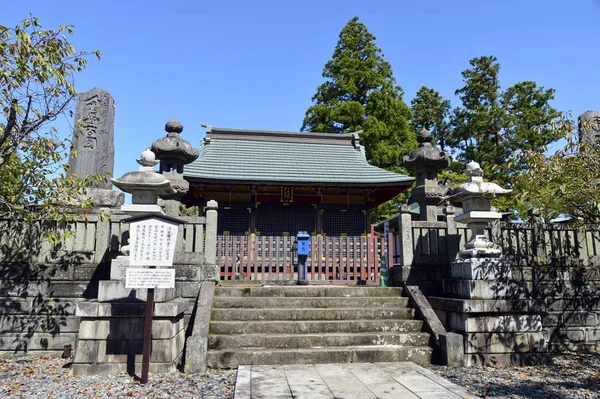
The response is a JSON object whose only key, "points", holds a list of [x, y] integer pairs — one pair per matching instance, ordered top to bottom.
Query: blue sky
{"points": [[256, 64]]}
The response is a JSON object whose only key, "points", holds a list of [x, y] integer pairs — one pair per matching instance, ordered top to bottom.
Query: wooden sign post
{"points": [[152, 244]]}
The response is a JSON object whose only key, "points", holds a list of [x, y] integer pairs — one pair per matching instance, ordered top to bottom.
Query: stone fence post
{"points": [[451, 233], [406, 241], [210, 242]]}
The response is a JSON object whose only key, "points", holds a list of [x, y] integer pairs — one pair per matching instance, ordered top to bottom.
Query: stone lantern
{"points": [[173, 153], [425, 161], [145, 186], [475, 196], [112, 322]]}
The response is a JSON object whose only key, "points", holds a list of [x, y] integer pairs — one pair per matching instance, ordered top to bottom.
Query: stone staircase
{"points": [[313, 324]]}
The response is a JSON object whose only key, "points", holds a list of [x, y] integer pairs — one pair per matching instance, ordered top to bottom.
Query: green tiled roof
{"points": [[243, 156]]}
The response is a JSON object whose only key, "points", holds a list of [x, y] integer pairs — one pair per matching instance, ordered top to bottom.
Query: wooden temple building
{"points": [[271, 183]]}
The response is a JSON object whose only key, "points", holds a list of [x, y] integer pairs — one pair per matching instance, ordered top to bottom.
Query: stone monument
{"points": [[589, 127], [93, 142], [173, 153], [426, 160]]}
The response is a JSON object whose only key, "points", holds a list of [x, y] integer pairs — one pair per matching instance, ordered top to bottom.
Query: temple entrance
{"points": [[332, 260]]}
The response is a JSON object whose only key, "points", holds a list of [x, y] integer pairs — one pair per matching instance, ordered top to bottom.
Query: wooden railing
{"points": [[271, 258]]}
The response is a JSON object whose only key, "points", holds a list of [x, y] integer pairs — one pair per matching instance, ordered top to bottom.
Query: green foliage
{"points": [[36, 86], [360, 93], [431, 111], [493, 127], [565, 183]]}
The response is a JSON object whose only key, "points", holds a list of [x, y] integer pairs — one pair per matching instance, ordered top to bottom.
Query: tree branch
{"points": [[10, 123]]}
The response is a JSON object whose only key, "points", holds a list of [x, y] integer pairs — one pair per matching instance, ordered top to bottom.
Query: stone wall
{"points": [[41, 282], [548, 299]]}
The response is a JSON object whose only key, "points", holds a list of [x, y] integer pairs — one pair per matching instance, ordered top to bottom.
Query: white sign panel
{"points": [[152, 242], [150, 278]]}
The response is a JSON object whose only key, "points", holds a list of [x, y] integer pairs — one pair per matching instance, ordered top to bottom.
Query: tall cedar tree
{"points": [[360, 93], [431, 111], [493, 127]]}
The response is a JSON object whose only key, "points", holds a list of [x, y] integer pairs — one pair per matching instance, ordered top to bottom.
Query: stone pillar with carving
{"points": [[589, 127], [93, 146], [173, 153], [425, 161]]}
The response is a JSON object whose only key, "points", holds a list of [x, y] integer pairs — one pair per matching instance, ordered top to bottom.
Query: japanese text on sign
{"points": [[152, 242]]}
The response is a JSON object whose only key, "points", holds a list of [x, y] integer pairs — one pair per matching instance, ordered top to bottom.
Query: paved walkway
{"points": [[404, 380]]}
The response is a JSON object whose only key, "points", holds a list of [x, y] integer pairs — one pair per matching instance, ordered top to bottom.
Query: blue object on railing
{"points": [[303, 252]]}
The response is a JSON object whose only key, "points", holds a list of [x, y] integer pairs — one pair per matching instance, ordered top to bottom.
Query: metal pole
{"points": [[147, 335]]}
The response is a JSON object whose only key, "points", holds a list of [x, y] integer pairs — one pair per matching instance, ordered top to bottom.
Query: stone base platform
{"points": [[496, 332], [111, 337]]}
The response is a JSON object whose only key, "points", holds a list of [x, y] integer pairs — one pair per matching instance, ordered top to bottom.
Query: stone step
{"points": [[308, 291], [309, 302], [311, 314], [311, 326], [290, 341], [347, 354]]}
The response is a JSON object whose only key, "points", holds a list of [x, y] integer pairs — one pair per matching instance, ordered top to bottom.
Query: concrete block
{"points": [[188, 258], [118, 268], [481, 269], [187, 272], [209, 272], [85, 273], [566, 288], [187, 289], [480, 289], [67, 290], [109, 290], [575, 304], [485, 305], [87, 309], [117, 309], [170, 309], [551, 319], [579, 319], [510, 323], [58, 324], [130, 328], [94, 329], [166, 329], [572, 334], [593, 334], [36, 342], [504, 342], [561, 346], [452, 349], [196, 350], [86, 351]]}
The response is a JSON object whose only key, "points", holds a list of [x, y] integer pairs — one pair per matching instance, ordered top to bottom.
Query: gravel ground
{"points": [[573, 376], [39, 377]]}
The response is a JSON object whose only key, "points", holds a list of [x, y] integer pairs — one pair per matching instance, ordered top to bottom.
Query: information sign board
{"points": [[152, 242], [150, 278]]}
